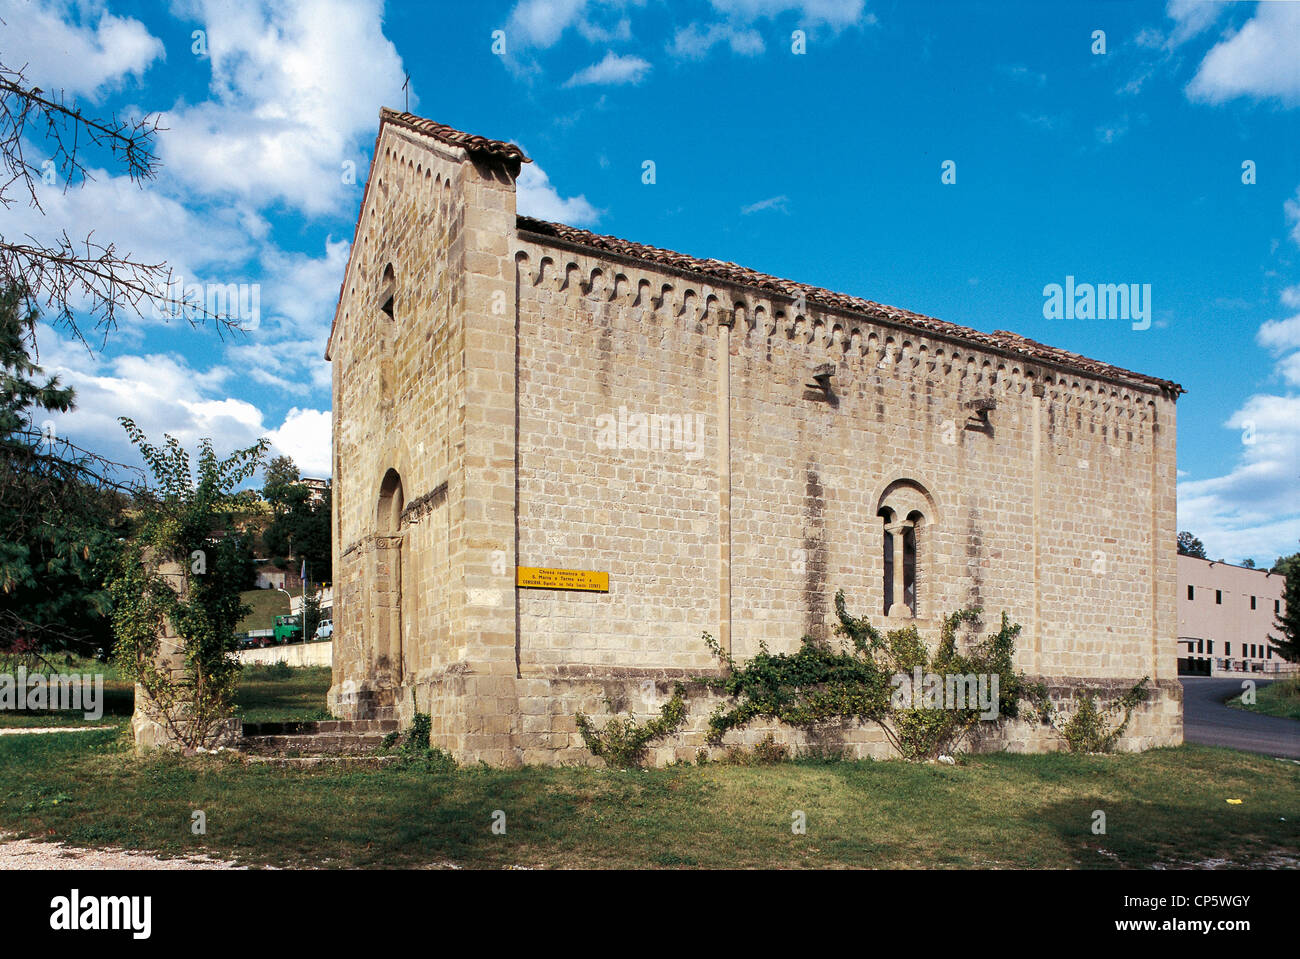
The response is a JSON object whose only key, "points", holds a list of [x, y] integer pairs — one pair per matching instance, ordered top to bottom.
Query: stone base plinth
{"points": [[509, 721]]}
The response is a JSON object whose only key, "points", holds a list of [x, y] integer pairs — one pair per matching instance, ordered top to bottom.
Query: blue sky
{"points": [[822, 166]]}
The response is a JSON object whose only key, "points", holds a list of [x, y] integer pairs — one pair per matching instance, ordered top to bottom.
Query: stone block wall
{"points": [[1055, 511]]}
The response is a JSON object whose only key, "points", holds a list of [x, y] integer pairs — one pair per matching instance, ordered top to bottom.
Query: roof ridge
{"points": [[440, 131], [1003, 340]]}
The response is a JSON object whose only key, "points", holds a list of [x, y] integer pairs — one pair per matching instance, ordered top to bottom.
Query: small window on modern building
{"points": [[1191, 592], [1218, 596], [1252, 602], [1277, 606], [1200, 645], [1209, 646], [1227, 648], [1270, 652]]}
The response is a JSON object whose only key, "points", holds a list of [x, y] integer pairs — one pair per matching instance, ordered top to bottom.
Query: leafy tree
{"points": [[280, 485], [60, 508], [181, 530], [301, 532], [1189, 545], [1248, 563], [1284, 564]]}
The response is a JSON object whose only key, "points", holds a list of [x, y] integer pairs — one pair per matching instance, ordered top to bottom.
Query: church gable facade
{"points": [[717, 450]]}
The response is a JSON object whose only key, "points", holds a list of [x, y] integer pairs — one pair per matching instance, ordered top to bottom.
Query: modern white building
{"points": [[1225, 616]]}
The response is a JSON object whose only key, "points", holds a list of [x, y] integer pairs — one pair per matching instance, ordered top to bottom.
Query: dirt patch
{"points": [[31, 854]]}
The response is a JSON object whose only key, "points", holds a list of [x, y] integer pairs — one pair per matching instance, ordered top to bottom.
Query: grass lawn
{"points": [[267, 604], [265, 695], [270, 695], [119, 697], [1279, 698], [994, 811]]}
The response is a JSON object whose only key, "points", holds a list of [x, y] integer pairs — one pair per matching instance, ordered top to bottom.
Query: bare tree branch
{"points": [[87, 277]]}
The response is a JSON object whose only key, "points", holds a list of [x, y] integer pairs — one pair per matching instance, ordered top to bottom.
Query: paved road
{"points": [[1207, 721]]}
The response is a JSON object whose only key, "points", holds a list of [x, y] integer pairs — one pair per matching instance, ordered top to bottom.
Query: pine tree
{"points": [[59, 507], [1287, 622]]}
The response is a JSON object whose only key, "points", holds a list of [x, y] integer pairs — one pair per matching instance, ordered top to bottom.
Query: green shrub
{"points": [[821, 686], [1095, 728], [418, 736], [622, 743], [415, 744], [764, 753]]}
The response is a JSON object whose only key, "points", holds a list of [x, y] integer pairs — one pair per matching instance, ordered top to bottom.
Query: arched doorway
{"points": [[387, 622]]}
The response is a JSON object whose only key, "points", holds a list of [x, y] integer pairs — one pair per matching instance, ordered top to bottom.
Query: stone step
{"points": [[327, 726], [313, 744], [304, 762]]}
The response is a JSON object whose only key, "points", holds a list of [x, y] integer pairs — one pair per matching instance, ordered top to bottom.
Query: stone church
{"points": [[559, 457]]}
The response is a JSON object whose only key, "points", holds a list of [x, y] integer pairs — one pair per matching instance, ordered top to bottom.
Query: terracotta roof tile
{"points": [[440, 131], [1000, 340]]}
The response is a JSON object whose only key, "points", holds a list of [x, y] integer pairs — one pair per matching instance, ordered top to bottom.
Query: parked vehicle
{"points": [[288, 629], [325, 630]]}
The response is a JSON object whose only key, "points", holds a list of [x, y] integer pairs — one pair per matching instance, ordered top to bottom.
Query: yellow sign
{"points": [[585, 579]]}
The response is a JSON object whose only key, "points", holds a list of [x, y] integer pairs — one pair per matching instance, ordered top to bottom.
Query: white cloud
{"points": [[833, 13], [1191, 17], [541, 23], [736, 29], [694, 42], [76, 45], [1260, 60], [614, 69], [1022, 73], [295, 93], [1110, 132], [536, 197], [771, 203], [1292, 210], [143, 220], [302, 289], [1280, 334], [293, 367], [1289, 369], [164, 394], [305, 436], [1253, 510]]}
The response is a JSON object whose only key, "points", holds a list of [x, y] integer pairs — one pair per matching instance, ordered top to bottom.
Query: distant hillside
{"points": [[267, 604]]}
